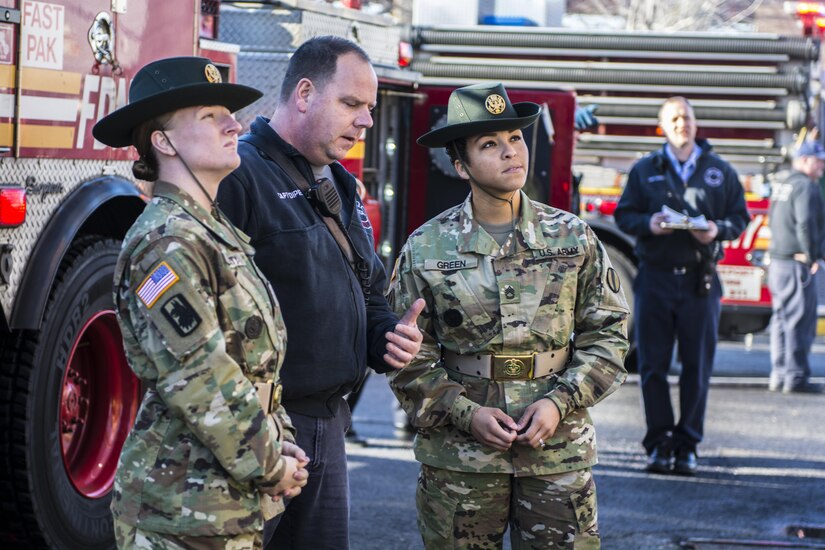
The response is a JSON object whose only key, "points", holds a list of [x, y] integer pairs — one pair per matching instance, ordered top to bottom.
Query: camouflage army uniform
{"points": [[553, 284], [200, 328]]}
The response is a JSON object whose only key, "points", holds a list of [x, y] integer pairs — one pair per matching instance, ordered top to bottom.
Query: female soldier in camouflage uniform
{"points": [[524, 329], [207, 459]]}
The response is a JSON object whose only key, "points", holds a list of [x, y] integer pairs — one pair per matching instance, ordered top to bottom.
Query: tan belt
{"points": [[508, 367], [269, 394]]}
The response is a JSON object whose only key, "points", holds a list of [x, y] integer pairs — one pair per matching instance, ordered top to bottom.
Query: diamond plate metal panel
{"points": [[261, 29], [379, 41], [263, 71], [68, 175]]}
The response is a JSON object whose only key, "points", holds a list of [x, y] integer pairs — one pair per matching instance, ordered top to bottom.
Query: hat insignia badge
{"points": [[213, 75], [495, 104]]}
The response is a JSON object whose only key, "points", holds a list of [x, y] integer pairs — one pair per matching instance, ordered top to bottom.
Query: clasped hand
{"points": [[494, 428], [295, 474]]}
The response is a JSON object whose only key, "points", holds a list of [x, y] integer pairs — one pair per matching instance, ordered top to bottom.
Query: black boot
{"points": [[660, 460]]}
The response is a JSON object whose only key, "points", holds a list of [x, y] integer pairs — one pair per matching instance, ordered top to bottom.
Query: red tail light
{"points": [[405, 54], [12, 206], [606, 208]]}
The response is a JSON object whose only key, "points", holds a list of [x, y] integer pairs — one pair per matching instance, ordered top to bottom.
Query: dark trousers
{"points": [[668, 308], [793, 323], [318, 518]]}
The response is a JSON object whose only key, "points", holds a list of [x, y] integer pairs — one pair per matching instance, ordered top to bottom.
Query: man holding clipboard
{"points": [[680, 203]]}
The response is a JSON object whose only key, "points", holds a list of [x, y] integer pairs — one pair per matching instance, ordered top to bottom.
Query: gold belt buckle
{"points": [[513, 367]]}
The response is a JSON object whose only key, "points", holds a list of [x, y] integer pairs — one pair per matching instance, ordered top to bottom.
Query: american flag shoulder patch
{"points": [[156, 283]]}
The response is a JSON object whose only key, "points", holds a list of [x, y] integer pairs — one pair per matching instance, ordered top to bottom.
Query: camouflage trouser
{"points": [[469, 511], [129, 537]]}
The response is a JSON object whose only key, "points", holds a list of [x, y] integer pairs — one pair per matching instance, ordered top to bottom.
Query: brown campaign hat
{"points": [[167, 85], [480, 108]]}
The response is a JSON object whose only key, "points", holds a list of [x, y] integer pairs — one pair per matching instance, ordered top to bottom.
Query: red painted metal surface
{"points": [[64, 89], [98, 405]]}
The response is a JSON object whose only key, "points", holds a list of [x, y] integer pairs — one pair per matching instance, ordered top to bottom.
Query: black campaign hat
{"points": [[167, 85], [480, 108]]}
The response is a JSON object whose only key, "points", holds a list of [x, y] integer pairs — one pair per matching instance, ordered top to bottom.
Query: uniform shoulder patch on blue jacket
{"points": [[156, 283]]}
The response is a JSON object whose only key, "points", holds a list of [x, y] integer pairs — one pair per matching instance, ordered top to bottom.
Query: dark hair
{"points": [[316, 60], [457, 150], [146, 167]]}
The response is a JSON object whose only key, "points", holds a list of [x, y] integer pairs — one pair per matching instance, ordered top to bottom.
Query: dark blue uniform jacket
{"points": [[713, 190], [332, 335]]}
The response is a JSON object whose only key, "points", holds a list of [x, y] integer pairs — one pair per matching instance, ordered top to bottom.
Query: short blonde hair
{"points": [[671, 101]]}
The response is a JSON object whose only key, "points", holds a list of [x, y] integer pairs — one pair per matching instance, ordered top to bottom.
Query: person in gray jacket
{"points": [[797, 222]]}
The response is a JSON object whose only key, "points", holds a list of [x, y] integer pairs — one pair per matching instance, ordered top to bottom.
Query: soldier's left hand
{"points": [[707, 235], [403, 343], [541, 420]]}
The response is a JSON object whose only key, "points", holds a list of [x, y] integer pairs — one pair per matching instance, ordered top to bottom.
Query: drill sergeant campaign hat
{"points": [[167, 85], [480, 108]]}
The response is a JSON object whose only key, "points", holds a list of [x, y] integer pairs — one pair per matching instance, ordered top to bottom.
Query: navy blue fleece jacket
{"points": [[332, 335]]}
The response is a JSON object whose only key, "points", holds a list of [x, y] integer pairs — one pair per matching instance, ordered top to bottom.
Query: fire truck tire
{"points": [[626, 269], [72, 401]]}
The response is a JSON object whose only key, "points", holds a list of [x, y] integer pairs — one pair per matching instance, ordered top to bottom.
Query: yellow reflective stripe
{"points": [[6, 76], [46, 80], [6, 134], [42, 136], [357, 151]]}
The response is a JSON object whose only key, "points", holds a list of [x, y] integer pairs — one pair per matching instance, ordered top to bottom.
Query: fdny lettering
{"points": [[111, 94], [657, 177], [290, 195], [556, 252], [449, 265]]}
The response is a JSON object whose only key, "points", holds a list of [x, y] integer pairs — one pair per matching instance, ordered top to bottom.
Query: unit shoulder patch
{"points": [[161, 279], [612, 280], [181, 315]]}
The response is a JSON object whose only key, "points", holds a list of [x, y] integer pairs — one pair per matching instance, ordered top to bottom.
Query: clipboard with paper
{"points": [[678, 220]]}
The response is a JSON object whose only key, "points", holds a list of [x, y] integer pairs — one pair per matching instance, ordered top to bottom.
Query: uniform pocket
{"points": [[556, 310], [460, 315], [584, 505], [435, 512]]}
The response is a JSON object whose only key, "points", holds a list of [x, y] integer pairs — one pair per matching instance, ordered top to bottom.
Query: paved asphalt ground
{"points": [[761, 472]]}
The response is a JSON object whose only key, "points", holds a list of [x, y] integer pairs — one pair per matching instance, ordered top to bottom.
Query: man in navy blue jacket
{"points": [[677, 292], [337, 321]]}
